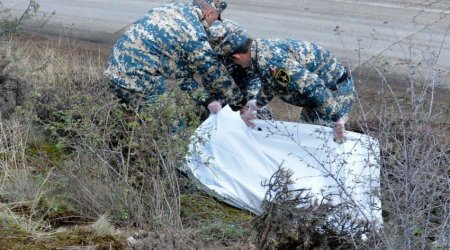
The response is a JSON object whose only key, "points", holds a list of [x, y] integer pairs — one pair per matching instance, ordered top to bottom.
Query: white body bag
{"points": [[232, 161]]}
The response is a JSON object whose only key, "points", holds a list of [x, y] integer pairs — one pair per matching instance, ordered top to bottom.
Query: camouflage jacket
{"points": [[171, 42], [299, 73]]}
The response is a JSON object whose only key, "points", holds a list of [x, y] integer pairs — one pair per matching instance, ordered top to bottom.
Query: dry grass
{"points": [[73, 156]]}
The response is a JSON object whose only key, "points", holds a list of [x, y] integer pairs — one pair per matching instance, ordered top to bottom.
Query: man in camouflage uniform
{"points": [[171, 42], [298, 72], [248, 83]]}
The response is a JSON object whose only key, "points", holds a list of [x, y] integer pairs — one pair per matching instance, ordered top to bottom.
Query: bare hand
{"points": [[214, 106], [252, 106], [248, 116], [339, 131]]}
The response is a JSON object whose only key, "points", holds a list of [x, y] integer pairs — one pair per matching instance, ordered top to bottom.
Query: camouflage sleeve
{"points": [[215, 78], [244, 79], [252, 88], [316, 94], [345, 95], [264, 96], [323, 102]]}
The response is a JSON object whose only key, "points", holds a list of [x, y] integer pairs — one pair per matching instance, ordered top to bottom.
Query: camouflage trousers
{"points": [[344, 95], [138, 99], [137, 102]]}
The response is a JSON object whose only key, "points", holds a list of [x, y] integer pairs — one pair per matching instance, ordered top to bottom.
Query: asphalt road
{"points": [[361, 31]]}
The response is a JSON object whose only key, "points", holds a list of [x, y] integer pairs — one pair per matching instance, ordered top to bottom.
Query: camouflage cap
{"points": [[219, 5], [227, 36]]}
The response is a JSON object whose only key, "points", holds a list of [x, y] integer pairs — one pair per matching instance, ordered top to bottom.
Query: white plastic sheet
{"points": [[231, 161]]}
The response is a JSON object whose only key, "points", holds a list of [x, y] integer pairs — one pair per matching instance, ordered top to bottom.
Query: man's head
{"points": [[219, 5], [211, 9], [232, 40]]}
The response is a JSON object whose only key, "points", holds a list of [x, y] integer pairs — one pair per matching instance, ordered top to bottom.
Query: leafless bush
{"points": [[31, 16], [14, 89], [13, 92], [406, 108], [413, 130], [92, 153], [83, 155], [121, 162], [19, 189], [293, 219]]}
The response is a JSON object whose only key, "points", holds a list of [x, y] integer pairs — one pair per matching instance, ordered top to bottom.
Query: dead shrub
{"points": [[413, 130], [109, 160], [295, 220]]}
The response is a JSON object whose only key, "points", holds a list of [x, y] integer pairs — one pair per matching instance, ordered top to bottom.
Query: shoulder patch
{"points": [[282, 76]]}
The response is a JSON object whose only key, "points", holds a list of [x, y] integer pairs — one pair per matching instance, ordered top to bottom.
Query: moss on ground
{"points": [[50, 151], [197, 207], [215, 221], [12, 236]]}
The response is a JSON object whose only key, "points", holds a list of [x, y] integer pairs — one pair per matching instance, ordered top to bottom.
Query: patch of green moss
{"points": [[51, 151], [204, 208], [214, 221], [78, 236], [14, 237]]}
